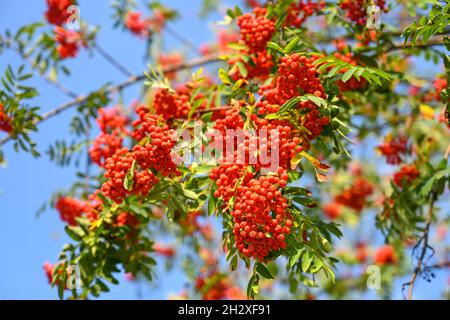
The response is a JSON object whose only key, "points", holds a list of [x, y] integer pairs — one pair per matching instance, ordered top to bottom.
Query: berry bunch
{"points": [[357, 9], [299, 12], [57, 13], [135, 24], [255, 29], [68, 42], [169, 60], [259, 66], [296, 76], [439, 84], [171, 105], [112, 119], [5, 121], [112, 124], [104, 146], [393, 149], [156, 151], [117, 167], [408, 173], [226, 177], [355, 197], [94, 206], [69, 209], [332, 210], [260, 218], [126, 219], [164, 250], [361, 252], [385, 255], [48, 268], [217, 287]]}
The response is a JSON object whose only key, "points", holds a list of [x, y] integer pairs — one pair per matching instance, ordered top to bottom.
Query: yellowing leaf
{"points": [[426, 111], [315, 162]]}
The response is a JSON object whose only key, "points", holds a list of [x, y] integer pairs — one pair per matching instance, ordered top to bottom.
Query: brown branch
{"points": [[431, 43], [112, 61], [116, 88], [214, 109], [425, 246]]}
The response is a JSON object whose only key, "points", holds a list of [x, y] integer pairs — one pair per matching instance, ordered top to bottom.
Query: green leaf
{"points": [[291, 45], [276, 47], [242, 69], [348, 74], [224, 77], [129, 178], [211, 203], [76, 233], [306, 261], [263, 271]]}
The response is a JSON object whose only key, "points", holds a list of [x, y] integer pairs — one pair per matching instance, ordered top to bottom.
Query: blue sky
{"points": [[25, 183], [26, 241]]}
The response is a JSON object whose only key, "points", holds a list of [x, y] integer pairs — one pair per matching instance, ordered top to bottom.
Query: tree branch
{"points": [[431, 43], [112, 61], [116, 88], [425, 246]]}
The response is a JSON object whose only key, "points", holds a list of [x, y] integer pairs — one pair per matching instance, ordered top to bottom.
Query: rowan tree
{"points": [[331, 93]]}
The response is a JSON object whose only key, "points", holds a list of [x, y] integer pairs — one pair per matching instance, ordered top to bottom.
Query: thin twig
{"points": [[182, 39], [431, 43], [112, 61], [42, 74], [116, 88], [425, 246]]}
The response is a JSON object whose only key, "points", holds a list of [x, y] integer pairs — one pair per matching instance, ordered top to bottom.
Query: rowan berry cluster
{"points": [[357, 9], [299, 11], [57, 13], [136, 24], [255, 29], [68, 41], [170, 60], [258, 67], [296, 76], [353, 83], [439, 84], [171, 105], [112, 119], [5, 121], [112, 124], [104, 146], [394, 149], [156, 152], [117, 168], [407, 173], [226, 177], [355, 197], [94, 206], [69, 209], [332, 210], [260, 217], [126, 219], [189, 222], [164, 250], [361, 252], [385, 255], [48, 268], [217, 287]]}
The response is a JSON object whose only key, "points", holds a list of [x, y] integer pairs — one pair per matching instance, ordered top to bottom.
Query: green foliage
{"points": [[428, 26], [14, 95]]}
